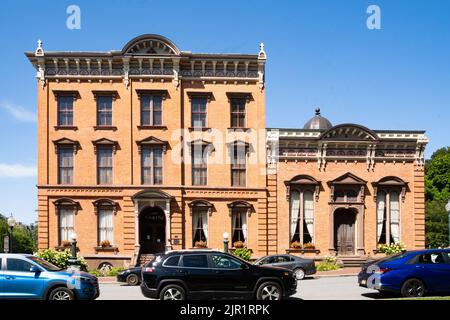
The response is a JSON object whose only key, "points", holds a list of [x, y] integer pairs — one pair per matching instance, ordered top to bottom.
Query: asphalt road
{"points": [[326, 288]]}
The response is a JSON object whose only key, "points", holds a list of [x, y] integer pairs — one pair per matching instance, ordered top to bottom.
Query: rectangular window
{"points": [[65, 110], [151, 110], [104, 111], [198, 112], [238, 112], [104, 164], [65, 165], [152, 165], [199, 166], [238, 167], [66, 222], [106, 224], [199, 225], [195, 261]]}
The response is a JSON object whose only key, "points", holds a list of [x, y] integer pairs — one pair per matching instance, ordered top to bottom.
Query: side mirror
{"points": [[35, 269]]}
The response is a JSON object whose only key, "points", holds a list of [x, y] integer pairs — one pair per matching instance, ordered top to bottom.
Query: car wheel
{"points": [[299, 274], [132, 280], [413, 288], [269, 291], [172, 292], [61, 294]]}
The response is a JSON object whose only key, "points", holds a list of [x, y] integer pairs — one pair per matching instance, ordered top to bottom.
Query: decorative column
{"points": [[168, 223], [136, 228], [360, 236], [331, 248]]}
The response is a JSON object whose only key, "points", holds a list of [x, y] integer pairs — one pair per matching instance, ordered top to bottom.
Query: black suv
{"points": [[181, 275]]}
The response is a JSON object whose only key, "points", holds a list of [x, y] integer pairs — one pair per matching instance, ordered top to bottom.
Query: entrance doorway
{"points": [[152, 230], [344, 231]]}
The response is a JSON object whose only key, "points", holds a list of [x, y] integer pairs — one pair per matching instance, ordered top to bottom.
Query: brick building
{"points": [[151, 148]]}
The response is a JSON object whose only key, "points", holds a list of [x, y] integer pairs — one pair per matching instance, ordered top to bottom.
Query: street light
{"points": [[447, 207], [11, 223], [225, 242], [73, 259]]}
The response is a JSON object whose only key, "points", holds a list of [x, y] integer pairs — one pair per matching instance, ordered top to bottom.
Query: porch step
{"points": [[144, 259], [353, 261]]}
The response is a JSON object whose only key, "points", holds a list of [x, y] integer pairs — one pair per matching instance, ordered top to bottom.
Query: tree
{"points": [[437, 193], [24, 236]]}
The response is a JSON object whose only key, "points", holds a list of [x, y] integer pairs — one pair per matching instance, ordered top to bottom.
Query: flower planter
{"points": [[106, 249], [303, 252]]}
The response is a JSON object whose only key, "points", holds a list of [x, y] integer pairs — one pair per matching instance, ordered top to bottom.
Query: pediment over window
{"points": [[150, 44], [240, 95], [349, 132], [152, 141], [66, 142], [105, 142], [202, 143], [348, 178], [302, 179], [305, 181], [389, 183], [152, 194], [67, 202], [105, 203], [201, 204], [240, 205]]}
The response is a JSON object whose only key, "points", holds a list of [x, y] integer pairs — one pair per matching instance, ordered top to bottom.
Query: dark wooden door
{"points": [[152, 231], [345, 232]]}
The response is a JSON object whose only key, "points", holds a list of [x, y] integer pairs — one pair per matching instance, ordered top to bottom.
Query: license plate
{"points": [[363, 282]]}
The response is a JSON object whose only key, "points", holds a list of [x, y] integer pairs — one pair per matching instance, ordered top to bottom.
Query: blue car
{"points": [[412, 274], [28, 277]]}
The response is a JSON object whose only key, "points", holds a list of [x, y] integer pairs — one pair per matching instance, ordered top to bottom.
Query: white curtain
{"points": [[381, 204], [308, 205], [394, 206], [295, 207], [195, 217], [66, 223], [205, 223], [244, 223], [106, 225]]}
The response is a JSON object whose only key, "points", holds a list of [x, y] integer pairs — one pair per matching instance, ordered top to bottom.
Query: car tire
{"points": [[299, 273], [132, 280], [413, 288], [269, 291], [172, 292], [61, 293]]}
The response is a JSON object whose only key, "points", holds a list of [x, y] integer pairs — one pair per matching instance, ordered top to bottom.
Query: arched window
{"points": [[105, 210], [302, 216], [388, 216], [200, 224], [239, 224]]}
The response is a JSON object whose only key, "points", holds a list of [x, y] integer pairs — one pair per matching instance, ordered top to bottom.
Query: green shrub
{"points": [[390, 249], [243, 253], [60, 258], [328, 264], [114, 271], [96, 273]]}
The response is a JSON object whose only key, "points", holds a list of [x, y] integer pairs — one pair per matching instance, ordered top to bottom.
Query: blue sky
{"points": [[320, 53]]}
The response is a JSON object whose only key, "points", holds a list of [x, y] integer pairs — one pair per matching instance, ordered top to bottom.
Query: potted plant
{"points": [[65, 243], [105, 244], [200, 244], [239, 244], [296, 245], [309, 245]]}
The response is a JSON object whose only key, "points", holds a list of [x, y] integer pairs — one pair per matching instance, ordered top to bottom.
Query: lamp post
{"points": [[447, 207], [11, 223], [225, 242], [73, 259]]}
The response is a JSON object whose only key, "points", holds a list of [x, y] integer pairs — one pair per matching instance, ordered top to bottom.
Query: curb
{"points": [[334, 275]]}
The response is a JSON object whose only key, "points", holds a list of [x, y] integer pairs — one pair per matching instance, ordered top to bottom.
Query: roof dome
{"points": [[318, 122]]}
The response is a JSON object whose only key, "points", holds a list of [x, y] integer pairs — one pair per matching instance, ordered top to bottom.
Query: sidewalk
{"points": [[351, 271]]}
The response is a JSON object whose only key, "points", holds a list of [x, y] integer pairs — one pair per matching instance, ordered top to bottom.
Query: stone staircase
{"points": [[353, 261]]}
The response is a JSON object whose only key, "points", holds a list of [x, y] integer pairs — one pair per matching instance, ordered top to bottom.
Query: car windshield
{"points": [[394, 257], [44, 264]]}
